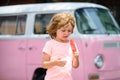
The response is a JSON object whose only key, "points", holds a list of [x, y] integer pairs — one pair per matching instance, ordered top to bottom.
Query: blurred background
{"points": [[113, 5]]}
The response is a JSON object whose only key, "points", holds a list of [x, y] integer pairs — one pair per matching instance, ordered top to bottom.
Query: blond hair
{"points": [[59, 20]]}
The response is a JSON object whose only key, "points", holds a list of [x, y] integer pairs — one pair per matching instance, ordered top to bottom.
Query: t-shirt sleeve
{"points": [[47, 48]]}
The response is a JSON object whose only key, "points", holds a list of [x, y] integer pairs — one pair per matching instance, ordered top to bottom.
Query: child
{"points": [[58, 57]]}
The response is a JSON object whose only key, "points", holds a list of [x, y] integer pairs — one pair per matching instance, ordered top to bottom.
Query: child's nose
{"points": [[67, 33]]}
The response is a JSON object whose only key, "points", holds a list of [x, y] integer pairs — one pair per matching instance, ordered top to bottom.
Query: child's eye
{"points": [[63, 30], [66, 30], [69, 31]]}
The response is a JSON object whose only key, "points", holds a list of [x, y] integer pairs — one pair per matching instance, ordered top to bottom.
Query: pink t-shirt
{"points": [[59, 50]]}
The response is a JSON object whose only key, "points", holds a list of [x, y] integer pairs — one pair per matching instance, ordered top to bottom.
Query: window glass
{"points": [[95, 21], [41, 22], [12, 25]]}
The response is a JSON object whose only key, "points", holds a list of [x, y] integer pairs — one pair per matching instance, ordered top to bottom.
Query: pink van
{"points": [[23, 35]]}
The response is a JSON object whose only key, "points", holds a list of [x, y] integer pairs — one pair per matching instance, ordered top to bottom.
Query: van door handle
{"points": [[21, 48], [32, 48]]}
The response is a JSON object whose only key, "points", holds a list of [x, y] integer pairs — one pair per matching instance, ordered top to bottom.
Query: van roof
{"points": [[46, 7]]}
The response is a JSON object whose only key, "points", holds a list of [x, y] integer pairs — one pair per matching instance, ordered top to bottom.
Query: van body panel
{"points": [[96, 46], [34, 55], [12, 59]]}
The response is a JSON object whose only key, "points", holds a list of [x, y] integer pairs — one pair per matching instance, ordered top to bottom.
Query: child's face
{"points": [[64, 32]]}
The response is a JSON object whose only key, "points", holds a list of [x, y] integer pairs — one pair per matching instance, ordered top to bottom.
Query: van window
{"points": [[95, 21], [41, 22], [12, 25]]}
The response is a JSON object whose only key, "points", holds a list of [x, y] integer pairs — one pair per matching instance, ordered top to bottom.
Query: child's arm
{"points": [[75, 62], [46, 63]]}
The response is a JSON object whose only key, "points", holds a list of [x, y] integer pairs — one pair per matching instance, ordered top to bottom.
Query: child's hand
{"points": [[76, 54], [60, 62], [75, 63]]}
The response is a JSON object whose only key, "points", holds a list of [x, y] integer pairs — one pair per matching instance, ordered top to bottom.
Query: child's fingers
{"points": [[76, 54]]}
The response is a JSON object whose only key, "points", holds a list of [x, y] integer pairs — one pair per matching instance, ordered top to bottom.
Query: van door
{"points": [[36, 43], [12, 48]]}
